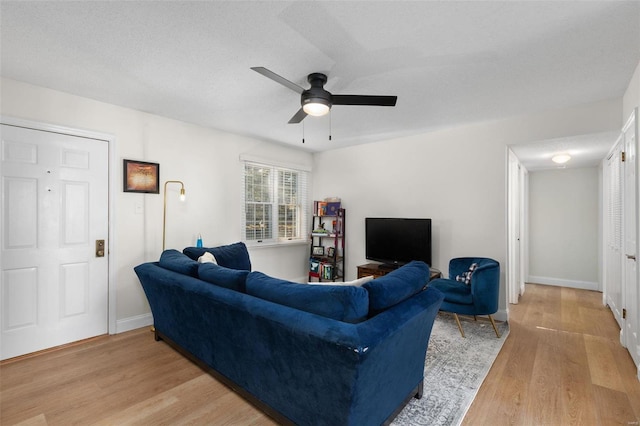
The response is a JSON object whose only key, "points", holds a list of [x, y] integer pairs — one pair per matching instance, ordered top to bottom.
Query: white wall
{"points": [[631, 98], [206, 160], [455, 176], [563, 225]]}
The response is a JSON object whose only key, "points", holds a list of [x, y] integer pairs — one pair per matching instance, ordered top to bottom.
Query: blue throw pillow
{"points": [[233, 256], [175, 261], [233, 279], [396, 286], [342, 303]]}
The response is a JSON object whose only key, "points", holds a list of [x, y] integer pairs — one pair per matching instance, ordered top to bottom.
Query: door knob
{"points": [[631, 256]]}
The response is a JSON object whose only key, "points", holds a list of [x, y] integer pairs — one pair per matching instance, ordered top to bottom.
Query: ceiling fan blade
{"points": [[278, 79], [364, 100], [298, 117]]}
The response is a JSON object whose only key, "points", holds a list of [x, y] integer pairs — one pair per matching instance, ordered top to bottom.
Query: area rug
{"points": [[455, 367]]}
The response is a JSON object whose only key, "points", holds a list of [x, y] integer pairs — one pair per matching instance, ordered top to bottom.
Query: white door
{"points": [[614, 243], [54, 288], [631, 296]]}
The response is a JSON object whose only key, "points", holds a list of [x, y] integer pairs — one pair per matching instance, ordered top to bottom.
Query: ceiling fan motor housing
{"points": [[316, 93]]}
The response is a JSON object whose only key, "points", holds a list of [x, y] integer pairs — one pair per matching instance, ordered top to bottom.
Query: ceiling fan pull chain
{"points": [[329, 124], [303, 132]]}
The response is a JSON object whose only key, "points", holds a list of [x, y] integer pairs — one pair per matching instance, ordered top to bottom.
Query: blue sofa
{"points": [[305, 354]]}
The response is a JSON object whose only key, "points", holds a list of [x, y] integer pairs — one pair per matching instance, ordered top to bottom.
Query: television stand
{"points": [[379, 270]]}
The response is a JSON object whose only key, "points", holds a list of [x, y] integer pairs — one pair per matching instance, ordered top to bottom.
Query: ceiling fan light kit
{"points": [[316, 101], [316, 108]]}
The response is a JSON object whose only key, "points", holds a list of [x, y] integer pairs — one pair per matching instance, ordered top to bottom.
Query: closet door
{"points": [[613, 228], [631, 332]]}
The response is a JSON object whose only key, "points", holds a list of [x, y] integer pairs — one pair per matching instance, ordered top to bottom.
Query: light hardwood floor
{"points": [[561, 365], [127, 378]]}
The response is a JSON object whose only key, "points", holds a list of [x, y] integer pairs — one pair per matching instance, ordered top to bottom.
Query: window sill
{"points": [[272, 244]]}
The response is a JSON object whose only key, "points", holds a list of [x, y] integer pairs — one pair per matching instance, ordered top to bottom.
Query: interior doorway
{"points": [[516, 228]]}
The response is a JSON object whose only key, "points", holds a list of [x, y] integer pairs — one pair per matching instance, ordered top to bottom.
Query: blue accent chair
{"points": [[478, 297]]}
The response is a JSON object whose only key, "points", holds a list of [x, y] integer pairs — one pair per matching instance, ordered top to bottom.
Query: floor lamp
{"points": [[164, 214]]}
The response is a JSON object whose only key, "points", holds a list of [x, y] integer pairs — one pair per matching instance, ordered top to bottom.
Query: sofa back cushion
{"points": [[233, 256], [178, 262], [233, 279], [357, 283], [396, 286], [342, 303]]}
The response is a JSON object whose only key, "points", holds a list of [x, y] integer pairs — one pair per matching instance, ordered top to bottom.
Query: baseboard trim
{"points": [[560, 282], [501, 315], [132, 323]]}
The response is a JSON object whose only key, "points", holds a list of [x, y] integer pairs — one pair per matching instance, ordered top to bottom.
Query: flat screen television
{"points": [[396, 241]]}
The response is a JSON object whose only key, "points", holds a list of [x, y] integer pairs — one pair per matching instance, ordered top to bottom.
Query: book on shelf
{"points": [[321, 208], [327, 208], [333, 209], [314, 266], [320, 269], [327, 271]]}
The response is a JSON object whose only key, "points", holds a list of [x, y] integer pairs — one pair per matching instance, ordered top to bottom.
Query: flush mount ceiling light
{"points": [[561, 158]]}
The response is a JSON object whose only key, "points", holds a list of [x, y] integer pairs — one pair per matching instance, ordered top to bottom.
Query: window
{"points": [[275, 203]]}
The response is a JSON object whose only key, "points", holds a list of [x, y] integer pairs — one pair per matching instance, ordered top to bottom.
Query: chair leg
{"points": [[493, 323], [459, 325]]}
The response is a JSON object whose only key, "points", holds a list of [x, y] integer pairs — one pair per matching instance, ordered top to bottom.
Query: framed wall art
{"points": [[141, 176]]}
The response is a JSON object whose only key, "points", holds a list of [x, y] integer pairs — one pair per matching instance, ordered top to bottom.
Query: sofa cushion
{"points": [[234, 256], [178, 262], [233, 279], [396, 286], [339, 302]]}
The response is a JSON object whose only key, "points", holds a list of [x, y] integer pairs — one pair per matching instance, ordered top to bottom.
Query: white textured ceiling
{"points": [[448, 62], [585, 151]]}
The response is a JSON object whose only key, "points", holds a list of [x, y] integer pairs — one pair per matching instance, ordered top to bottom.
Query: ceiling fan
{"points": [[316, 101]]}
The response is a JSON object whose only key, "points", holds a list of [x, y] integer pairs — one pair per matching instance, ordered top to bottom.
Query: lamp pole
{"points": [[164, 213]]}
